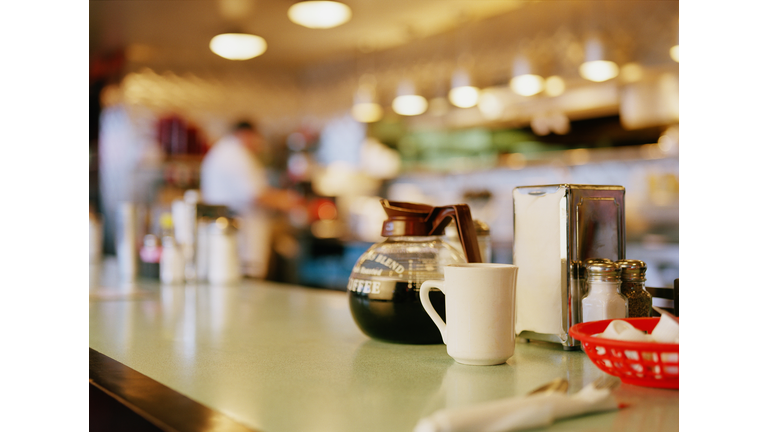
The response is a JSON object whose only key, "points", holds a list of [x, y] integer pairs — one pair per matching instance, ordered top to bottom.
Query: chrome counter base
{"points": [[569, 344]]}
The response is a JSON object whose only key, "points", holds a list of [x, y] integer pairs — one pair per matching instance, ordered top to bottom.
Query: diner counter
{"points": [[282, 358]]}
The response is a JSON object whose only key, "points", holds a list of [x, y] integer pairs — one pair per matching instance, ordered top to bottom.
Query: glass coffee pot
{"points": [[383, 288]]}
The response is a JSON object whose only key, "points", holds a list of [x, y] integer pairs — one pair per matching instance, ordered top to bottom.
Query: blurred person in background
{"points": [[129, 158], [232, 175]]}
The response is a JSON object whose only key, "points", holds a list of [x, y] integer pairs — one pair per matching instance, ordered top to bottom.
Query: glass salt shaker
{"points": [[583, 272], [603, 299], [639, 300]]}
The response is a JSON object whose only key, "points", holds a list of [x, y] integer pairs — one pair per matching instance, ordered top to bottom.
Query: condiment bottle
{"points": [[223, 257], [171, 262], [587, 262], [603, 299], [639, 300]]}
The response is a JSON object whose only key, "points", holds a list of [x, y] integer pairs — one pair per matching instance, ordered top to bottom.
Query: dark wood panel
{"points": [[122, 399]]}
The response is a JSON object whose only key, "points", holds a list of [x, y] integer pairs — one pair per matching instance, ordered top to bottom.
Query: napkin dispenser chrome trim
{"points": [[587, 221]]}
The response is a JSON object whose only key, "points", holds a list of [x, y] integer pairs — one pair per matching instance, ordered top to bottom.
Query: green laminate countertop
{"points": [[286, 358]]}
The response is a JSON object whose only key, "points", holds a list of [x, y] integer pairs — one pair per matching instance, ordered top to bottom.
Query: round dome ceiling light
{"points": [[319, 14], [238, 46]]}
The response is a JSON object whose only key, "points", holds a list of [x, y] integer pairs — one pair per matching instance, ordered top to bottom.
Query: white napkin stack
{"points": [[666, 331], [519, 413]]}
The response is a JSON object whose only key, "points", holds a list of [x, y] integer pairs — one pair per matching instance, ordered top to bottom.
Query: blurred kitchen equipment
{"points": [[206, 216], [185, 229], [556, 229], [483, 232], [95, 238], [126, 239], [95, 246], [202, 251], [150, 254], [223, 258], [171, 262], [383, 287], [668, 298], [480, 299], [603, 299], [639, 301], [648, 364]]}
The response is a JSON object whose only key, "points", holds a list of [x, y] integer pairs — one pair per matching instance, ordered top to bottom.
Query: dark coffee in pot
{"points": [[394, 313]]}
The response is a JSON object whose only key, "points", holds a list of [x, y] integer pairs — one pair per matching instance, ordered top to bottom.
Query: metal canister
{"points": [[556, 227], [126, 247]]}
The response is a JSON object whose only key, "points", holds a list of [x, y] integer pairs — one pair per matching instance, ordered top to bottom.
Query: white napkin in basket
{"points": [[622, 330], [666, 331]]}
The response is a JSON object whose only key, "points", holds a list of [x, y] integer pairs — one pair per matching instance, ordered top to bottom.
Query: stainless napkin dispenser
{"points": [[556, 228]]}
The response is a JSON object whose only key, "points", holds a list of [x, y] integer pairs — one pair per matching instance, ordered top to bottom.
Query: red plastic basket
{"points": [[646, 364]]}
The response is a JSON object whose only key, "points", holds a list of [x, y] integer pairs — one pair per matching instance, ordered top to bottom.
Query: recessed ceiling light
{"points": [[319, 14], [238, 46], [674, 52], [596, 66], [524, 82], [462, 94], [407, 102]]}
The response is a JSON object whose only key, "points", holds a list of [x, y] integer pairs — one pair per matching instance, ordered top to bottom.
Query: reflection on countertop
{"points": [[281, 357]]}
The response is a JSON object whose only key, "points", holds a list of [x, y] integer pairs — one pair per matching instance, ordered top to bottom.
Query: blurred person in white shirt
{"points": [[232, 175]]}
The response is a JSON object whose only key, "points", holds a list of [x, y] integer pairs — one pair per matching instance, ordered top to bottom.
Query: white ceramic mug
{"points": [[479, 310]]}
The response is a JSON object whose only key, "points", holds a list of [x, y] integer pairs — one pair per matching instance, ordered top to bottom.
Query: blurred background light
{"points": [[319, 14], [238, 46], [674, 52], [596, 66], [599, 70], [631, 72], [524, 82], [527, 85], [554, 86], [462, 93], [464, 97], [407, 102], [409, 105], [490, 106], [365, 108], [367, 112]]}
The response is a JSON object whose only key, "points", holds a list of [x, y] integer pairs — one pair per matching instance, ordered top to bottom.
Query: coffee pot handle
{"points": [[440, 217]]}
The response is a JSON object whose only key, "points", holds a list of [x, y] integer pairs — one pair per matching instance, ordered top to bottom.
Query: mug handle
{"points": [[424, 297]]}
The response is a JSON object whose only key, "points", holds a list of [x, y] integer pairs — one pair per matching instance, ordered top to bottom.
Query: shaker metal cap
{"points": [[632, 269], [602, 271]]}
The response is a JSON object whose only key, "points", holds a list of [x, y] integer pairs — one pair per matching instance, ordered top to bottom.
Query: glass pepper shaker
{"points": [[603, 299], [639, 300]]}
